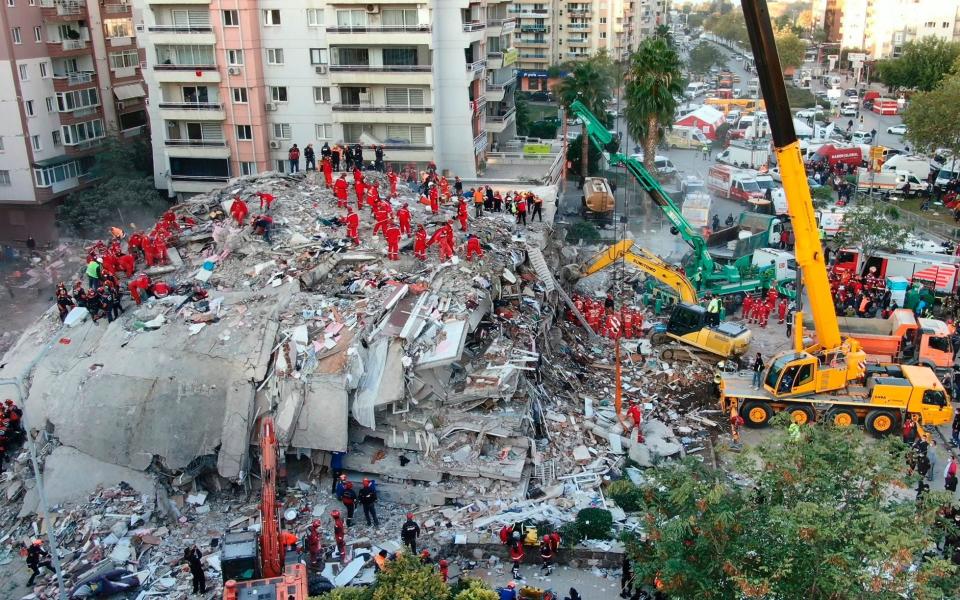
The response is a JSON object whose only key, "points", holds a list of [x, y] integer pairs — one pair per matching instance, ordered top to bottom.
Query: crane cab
{"points": [[802, 373]]}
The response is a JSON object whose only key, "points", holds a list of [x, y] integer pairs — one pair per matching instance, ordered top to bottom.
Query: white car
{"points": [[848, 111], [810, 113], [900, 129], [774, 172]]}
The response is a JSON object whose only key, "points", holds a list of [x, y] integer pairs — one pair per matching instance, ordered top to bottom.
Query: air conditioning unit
{"points": [[373, 9], [140, 28], [320, 69], [233, 71], [271, 106], [274, 144]]}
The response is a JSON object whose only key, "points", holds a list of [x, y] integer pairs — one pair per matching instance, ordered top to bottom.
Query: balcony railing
{"points": [[65, 7], [116, 9], [534, 11], [579, 11], [500, 22], [474, 26], [578, 26], [422, 28], [533, 28], [179, 29], [71, 44], [173, 67], [383, 68], [76, 78], [496, 87], [478, 104], [191, 105], [381, 108], [504, 117], [196, 143], [480, 143], [200, 177]]}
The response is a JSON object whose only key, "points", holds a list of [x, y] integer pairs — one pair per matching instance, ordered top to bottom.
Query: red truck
{"points": [[834, 155]]}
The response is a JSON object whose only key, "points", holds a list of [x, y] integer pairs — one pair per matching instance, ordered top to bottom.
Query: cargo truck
{"points": [[752, 231]]}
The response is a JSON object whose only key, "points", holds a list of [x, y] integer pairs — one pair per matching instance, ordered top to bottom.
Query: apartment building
{"points": [[882, 27], [554, 32], [70, 76], [241, 81]]}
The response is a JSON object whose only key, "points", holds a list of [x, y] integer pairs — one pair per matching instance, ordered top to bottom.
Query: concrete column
{"points": [[452, 129]]}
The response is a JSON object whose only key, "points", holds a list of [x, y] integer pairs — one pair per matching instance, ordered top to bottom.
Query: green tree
{"points": [[729, 26], [790, 48], [703, 56], [921, 66], [589, 81], [653, 85], [523, 112], [933, 118], [575, 154], [122, 194], [873, 227], [819, 523], [409, 579], [476, 590], [348, 593]]}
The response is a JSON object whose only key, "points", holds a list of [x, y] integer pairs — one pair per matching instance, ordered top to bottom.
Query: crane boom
{"points": [[605, 142], [808, 249], [647, 262], [271, 550]]}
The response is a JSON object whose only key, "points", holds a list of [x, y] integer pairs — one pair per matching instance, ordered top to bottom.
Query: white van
{"points": [[695, 89], [685, 137], [663, 165], [917, 166], [950, 170]]}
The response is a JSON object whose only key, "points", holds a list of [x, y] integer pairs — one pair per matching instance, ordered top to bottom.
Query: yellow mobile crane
{"points": [[688, 320], [828, 379]]}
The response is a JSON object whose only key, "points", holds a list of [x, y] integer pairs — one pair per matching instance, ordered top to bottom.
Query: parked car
{"points": [[851, 93], [541, 97], [848, 111], [810, 113], [900, 129]]}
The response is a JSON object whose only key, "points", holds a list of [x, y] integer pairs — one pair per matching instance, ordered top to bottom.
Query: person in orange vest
{"points": [[327, 170], [393, 178], [340, 191], [478, 199], [239, 210], [462, 214], [403, 216], [379, 217], [353, 226], [392, 234], [420, 243], [473, 248], [635, 416], [339, 535]]}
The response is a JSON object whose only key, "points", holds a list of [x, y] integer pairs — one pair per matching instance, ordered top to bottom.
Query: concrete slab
{"points": [[324, 417], [71, 476]]}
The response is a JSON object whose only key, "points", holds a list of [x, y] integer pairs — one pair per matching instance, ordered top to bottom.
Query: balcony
{"points": [[158, 2], [116, 9], [62, 10], [580, 11], [533, 12], [470, 26], [498, 27], [579, 27], [531, 28], [475, 31], [182, 34], [372, 35], [578, 42], [528, 43], [68, 48], [499, 60], [477, 66], [171, 73], [381, 74], [71, 81], [496, 92], [478, 105], [354, 108], [191, 111], [389, 115], [499, 123], [480, 143], [196, 148]]}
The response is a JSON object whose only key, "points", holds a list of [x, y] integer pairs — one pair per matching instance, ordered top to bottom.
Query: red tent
{"points": [[706, 119]]}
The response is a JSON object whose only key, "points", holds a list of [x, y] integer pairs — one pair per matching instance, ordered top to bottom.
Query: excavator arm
{"points": [[606, 142], [649, 263], [271, 549]]}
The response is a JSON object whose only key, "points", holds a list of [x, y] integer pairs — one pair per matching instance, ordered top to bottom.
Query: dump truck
{"points": [[597, 201], [752, 231], [901, 337]]}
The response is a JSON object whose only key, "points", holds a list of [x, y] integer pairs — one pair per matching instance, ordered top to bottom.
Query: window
{"points": [[11, 3], [271, 17], [314, 17], [401, 17], [231, 18], [351, 18], [603, 20], [118, 28], [37, 34], [603, 35], [187, 56], [274, 56], [318, 56], [353, 56], [399, 56], [235, 57], [124, 60], [43, 69], [24, 74], [278, 93], [195, 94], [321, 94], [239, 95], [405, 96], [49, 100], [67, 101], [28, 108], [281, 131], [323, 131], [353, 131], [82, 132], [244, 132], [409, 134], [56, 138], [35, 142], [281, 166], [248, 168], [57, 173], [4, 177], [934, 398]]}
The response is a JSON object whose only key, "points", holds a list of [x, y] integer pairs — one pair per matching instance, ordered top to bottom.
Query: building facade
{"points": [[881, 27], [70, 76], [241, 81]]}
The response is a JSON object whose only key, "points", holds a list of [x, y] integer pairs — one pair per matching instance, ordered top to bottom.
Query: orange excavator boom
{"points": [[272, 552]]}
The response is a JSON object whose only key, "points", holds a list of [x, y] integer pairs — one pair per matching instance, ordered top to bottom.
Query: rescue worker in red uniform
{"points": [[327, 167], [357, 175], [393, 178], [360, 188], [340, 190], [373, 195], [434, 199], [265, 200], [238, 210], [462, 214], [403, 216], [379, 217], [353, 226], [392, 235], [420, 243], [135, 244], [473, 248], [160, 250], [149, 251], [128, 263], [138, 286], [772, 297], [747, 306], [782, 310], [635, 416], [339, 535], [314, 543], [516, 553], [546, 555], [444, 569]]}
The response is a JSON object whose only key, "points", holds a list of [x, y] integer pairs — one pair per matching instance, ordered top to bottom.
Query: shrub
{"points": [[583, 231], [625, 494], [591, 524], [476, 590], [348, 593]]}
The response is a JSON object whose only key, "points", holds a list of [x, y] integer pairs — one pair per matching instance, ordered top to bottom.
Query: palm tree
{"points": [[588, 81], [653, 83]]}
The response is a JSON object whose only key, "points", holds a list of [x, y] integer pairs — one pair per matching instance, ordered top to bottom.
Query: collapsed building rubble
{"points": [[459, 386]]}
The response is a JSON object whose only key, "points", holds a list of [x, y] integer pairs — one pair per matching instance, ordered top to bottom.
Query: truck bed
{"points": [[740, 385]]}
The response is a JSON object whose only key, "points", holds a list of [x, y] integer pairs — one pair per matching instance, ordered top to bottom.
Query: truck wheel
{"points": [[756, 414], [801, 415], [841, 417], [880, 422]]}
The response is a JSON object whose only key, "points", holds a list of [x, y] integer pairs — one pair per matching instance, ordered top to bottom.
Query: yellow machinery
{"points": [[688, 321], [819, 377]]}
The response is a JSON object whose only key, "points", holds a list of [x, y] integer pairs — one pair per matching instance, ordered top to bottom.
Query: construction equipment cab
{"points": [[597, 201], [688, 325]]}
